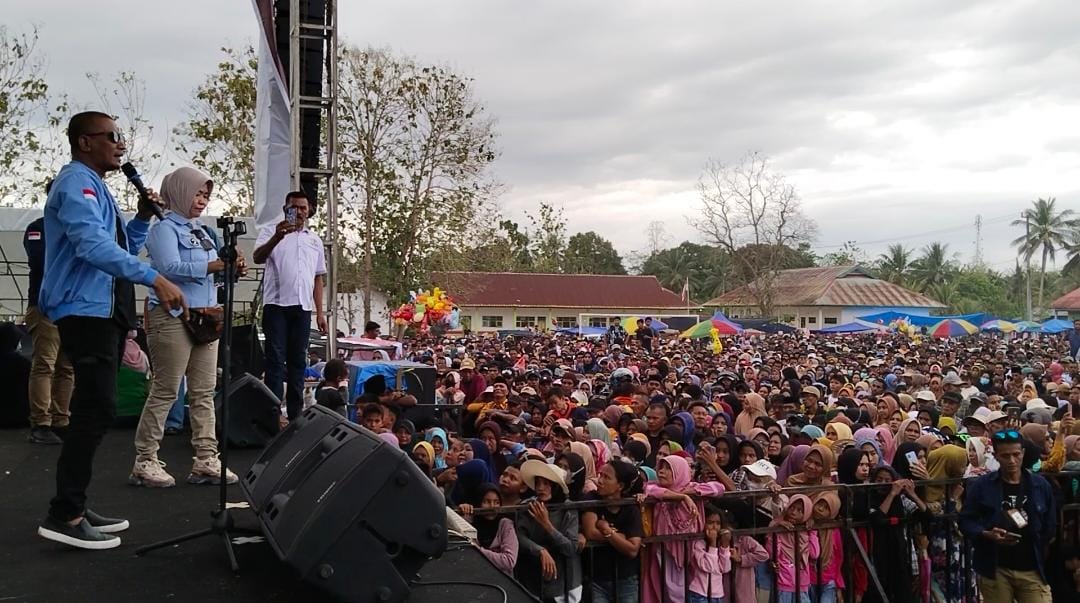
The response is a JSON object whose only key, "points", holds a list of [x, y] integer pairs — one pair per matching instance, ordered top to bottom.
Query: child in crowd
{"points": [[792, 549], [710, 560]]}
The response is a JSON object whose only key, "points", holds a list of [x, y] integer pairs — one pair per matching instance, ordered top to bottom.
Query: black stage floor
{"points": [[35, 570]]}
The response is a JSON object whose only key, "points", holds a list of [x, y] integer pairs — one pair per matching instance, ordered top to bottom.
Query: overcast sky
{"points": [[892, 119]]}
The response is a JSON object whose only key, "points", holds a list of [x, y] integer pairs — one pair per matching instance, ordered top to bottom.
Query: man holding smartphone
{"points": [[292, 288], [1010, 515]]}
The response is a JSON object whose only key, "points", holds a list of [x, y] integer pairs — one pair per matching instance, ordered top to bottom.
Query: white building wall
{"points": [[543, 317]]}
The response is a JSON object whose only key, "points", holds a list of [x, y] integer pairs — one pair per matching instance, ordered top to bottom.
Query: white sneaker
{"points": [[208, 471], [151, 474]]}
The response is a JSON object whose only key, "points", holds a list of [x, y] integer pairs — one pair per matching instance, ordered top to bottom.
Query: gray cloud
{"points": [[884, 114]]}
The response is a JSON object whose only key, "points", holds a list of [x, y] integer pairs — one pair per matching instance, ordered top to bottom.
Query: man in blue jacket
{"points": [[88, 292], [1010, 516]]}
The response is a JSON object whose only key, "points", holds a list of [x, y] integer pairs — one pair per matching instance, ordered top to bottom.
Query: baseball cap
{"points": [[468, 363], [810, 389], [926, 396], [1035, 403], [761, 468]]}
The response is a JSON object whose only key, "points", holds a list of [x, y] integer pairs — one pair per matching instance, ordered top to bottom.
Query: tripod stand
{"points": [[222, 524]]}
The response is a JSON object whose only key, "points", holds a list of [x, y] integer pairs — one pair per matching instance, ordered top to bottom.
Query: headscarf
{"points": [[178, 189], [886, 407], [753, 408], [613, 413], [934, 413], [949, 422], [407, 425], [640, 426], [903, 426], [495, 428], [598, 431], [813, 431], [438, 432], [755, 432], [843, 432], [1036, 433], [868, 435], [390, 438], [644, 439], [687, 440], [927, 440], [1070, 443], [979, 447], [428, 448], [888, 450], [583, 451], [481, 452], [733, 452], [601, 453], [828, 459], [900, 462], [947, 462], [792, 464], [847, 464], [650, 473], [577, 475], [470, 476], [672, 517], [487, 526], [803, 537], [826, 537]]}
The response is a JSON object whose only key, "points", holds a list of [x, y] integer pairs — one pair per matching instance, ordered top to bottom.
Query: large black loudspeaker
{"points": [[254, 413], [350, 513]]}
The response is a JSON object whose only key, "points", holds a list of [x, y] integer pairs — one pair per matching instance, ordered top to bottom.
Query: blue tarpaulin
{"points": [[884, 318], [1056, 325], [850, 327], [583, 331]]}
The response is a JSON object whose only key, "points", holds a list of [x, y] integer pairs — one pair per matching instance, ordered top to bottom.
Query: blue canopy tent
{"points": [[884, 318], [1056, 325], [850, 327], [583, 331]]}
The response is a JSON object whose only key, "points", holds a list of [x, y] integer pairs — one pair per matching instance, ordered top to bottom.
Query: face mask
{"points": [[984, 381]]}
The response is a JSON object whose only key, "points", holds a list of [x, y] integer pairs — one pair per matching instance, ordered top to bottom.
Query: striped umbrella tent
{"points": [[718, 321], [1003, 326], [952, 327]]}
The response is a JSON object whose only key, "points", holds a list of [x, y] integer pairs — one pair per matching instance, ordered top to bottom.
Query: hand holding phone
{"points": [[290, 215]]}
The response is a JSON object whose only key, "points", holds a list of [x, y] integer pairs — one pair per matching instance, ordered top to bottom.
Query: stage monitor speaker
{"points": [[246, 355], [254, 413], [350, 513]]}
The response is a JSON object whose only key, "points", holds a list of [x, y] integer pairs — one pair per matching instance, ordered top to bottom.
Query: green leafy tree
{"points": [[218, 132], [29, 150], [415, 150], [1048, 232], [547, 238], [589, 253], [848, 254], [895, 264], [934, 266], [707, 268]]}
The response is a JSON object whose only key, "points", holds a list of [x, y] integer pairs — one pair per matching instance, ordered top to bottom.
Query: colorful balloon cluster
{"points": [[428, 308]]}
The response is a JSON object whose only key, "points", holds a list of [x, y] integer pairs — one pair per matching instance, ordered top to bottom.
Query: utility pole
{"points": [[978, 242], [1027, 260]]}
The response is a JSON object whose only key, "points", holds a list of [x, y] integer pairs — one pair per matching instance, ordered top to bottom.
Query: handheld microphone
{"points": [[135, 179]]}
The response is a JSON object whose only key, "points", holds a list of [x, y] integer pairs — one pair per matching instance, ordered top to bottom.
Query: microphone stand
{"points": [[222, 524]]}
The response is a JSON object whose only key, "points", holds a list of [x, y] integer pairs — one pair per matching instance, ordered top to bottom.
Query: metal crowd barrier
{"points": [[955, 573]]}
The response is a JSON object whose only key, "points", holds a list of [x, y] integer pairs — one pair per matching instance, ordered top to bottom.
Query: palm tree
{"points": [[1049, 230], [895, 264], [933, 266], [946, 293]]}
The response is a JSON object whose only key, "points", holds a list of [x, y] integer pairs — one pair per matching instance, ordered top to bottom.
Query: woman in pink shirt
{"points": [[677, 513]]}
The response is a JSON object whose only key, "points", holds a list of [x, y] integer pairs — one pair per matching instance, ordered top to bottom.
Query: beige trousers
{"points": [[173, 355], [51, 375], [1010, 585]]}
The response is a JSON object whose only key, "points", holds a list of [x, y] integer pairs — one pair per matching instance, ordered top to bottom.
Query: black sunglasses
{"points": [[113, 136], [204, 241]]}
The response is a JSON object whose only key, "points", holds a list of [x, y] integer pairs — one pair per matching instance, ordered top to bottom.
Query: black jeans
{"points": [[288, 331], [94, 347]]}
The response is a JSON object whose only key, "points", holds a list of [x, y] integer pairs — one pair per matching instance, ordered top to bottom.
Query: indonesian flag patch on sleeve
{"points": [[89, 194], [33, 235]]}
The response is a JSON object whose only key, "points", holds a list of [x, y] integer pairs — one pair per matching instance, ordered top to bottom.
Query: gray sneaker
{"points": [[43, 434], [81, 535]]}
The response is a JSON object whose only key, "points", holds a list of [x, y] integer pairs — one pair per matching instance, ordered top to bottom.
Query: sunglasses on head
{"points": [[1007, 434]]}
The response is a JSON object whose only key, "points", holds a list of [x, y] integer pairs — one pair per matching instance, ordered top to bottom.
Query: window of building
{"points": [[812, 320], [830, 320], [598, 321], [492, 322], [524, 322], [565, 322]]}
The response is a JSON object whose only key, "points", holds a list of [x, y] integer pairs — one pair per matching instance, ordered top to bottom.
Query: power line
{"points": [[917, 235]]}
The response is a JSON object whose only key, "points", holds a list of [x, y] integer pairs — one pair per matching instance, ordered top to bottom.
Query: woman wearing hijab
{"points": [[182, 250], [753, 408], [686, 420], [599, 431], [909, 431], [436, 436], [866, 439], [887, 440], [481, 452], [947, 462], [792, 464], [574, 467], [816, 468], [852, 469], [470, 476], [588, 478], [676, 513], [495, 535], [891, 548]]}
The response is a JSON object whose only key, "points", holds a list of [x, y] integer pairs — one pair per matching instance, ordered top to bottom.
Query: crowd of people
{"points": [[707, 476]]}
